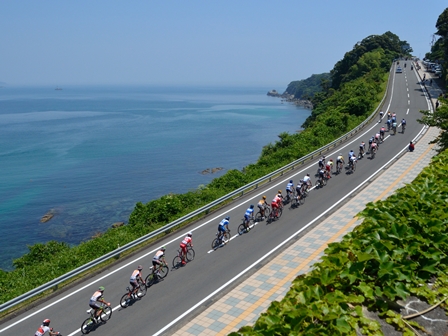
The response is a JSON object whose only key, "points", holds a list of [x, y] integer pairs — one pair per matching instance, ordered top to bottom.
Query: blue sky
{"points": [[266, 43]]}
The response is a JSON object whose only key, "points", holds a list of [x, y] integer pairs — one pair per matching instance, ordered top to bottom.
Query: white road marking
{"points": [[407, 111]]}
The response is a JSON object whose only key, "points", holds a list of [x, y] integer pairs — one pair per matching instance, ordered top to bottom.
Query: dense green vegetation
{"points": [[439, 49], [307, 88], [338, 109], [438, 118], [399, 248]]}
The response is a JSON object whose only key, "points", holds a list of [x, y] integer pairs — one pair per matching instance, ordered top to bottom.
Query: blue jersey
{"points": [[290, 186], [249, 213], [224, 222]]}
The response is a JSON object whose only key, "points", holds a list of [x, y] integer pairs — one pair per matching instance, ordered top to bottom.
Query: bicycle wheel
{"points": [[354, 167], [324, 181], [302, 200], [267, 211], [279, 213], [258, 217], [241, 229], [226, 237], [216, 243], [190, 254], [177, 262], [163, 271], [150, 279], [141, 290], [125, 300], [106, 314], [87, 326]]}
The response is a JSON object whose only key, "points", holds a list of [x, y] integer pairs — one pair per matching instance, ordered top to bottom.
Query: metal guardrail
{"points": [[238, 192]]}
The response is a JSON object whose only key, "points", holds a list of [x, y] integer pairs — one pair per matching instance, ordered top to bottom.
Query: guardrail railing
{"points": [[238, 192]]}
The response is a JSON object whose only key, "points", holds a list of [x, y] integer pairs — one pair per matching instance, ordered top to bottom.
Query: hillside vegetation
{"points": [[358, 84]]}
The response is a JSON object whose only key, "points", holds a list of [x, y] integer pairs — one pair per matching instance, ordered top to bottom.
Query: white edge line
{"points": [[177, 238], [278, 246]]}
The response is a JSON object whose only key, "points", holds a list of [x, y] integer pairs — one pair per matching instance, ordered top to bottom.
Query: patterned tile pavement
{"points": [[244, 304]]}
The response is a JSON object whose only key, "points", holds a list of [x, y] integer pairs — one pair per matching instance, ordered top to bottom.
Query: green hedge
{"points": [[400, 247]]}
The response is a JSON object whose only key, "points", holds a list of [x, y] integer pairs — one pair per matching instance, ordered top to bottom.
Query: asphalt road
{"points": [[189, 289]]}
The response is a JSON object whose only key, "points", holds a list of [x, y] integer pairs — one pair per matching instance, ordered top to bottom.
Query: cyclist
{"points": [[381, 115], [389, 115], [394, 117], [389, 123], [403, 123], [394, 127], [382, 130], [377, 138], [370, 142], [362, 148], [374, 148], [350, 154], [340, 159], [353, 160], [322, 161], [328, 167], [321, 175], [307, 182], [289, 190], [299, 190], [276, 203], [262, 206], [248, 216], [223, 226], [187, 241], [157, 260], [137, 274], [94, 299], [45, 327]]}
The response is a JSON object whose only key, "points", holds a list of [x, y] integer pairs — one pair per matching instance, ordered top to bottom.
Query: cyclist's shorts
{"points": [[274, 205], [260, 206], [247, 217], [221, 228], [156, 263], [134, 283], [94, 305]]}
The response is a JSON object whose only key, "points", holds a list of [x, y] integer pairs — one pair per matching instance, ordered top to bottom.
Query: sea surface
{"points": [[89, 154]]}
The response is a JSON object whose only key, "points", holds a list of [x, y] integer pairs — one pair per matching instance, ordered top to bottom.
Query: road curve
{"points": [[196, 285]]}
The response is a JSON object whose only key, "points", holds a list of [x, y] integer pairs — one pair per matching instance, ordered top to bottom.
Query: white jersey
{"points": [[306, 179], [158, 255], [42, 330]]}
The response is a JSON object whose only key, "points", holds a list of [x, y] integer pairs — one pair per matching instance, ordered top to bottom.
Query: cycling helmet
{"points": [[307, 174], [290, 181], [279, 191], [264, 197], [251, 206], [227, 218], [189, 234], [163, 248], [140, 267], [101, 289], [46, 322]]}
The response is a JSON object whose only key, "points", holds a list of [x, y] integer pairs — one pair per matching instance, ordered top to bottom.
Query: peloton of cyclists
{"points": [[262, 206], [44, 328]]}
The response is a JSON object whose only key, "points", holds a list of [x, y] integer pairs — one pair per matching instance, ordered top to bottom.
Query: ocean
{"points": [[89, 154]]}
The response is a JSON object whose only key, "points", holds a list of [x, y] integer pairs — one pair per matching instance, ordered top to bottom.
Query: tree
{"points": [[438, 118]]}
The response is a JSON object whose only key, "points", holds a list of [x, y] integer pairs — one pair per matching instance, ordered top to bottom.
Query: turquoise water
{"points": [[91, 153]]}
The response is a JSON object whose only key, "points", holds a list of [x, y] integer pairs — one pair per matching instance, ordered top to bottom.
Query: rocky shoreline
{"points": [[291, 99]]}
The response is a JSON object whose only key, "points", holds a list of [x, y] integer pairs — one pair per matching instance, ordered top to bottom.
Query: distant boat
{"points": [[58, 88]]}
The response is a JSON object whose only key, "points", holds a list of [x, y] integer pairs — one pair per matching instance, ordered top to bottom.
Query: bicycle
{"points": [[403, 127], [395, 130], [360, 154], [372, 154], [339, 167], [352, 167], [321, 182], [289, 196], [297, 200], [275, 214], [259, 216], [245, 226], [221, 239], [177, 261], [158, 272], [131, 295], [90, 323]]}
